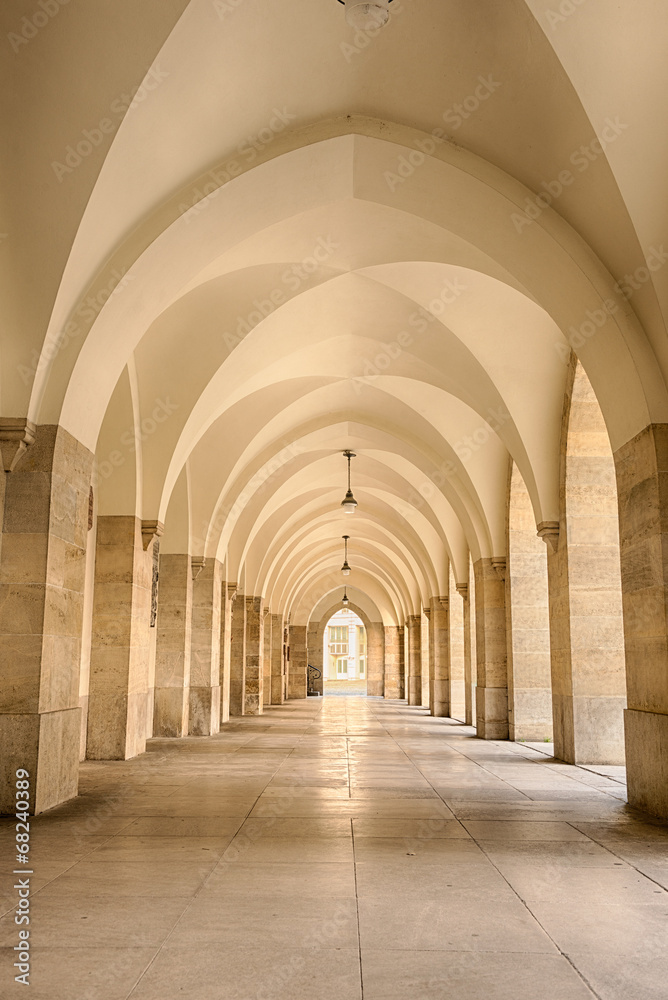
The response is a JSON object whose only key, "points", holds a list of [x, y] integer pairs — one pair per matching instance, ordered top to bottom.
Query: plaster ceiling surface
{"points": [[287, 239]]}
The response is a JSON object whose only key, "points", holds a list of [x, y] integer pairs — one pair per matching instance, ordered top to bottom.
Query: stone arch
{"points": [[375, 645]]}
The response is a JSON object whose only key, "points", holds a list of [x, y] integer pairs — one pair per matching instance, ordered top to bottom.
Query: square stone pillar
{"points": [[642, 485], [42, 570], [228, 595], [459, 627], [172, 649], [205, 656], [238, 656], [375, 657], [439, 657], [119, 659], [266, 659], [415, 659], [426, 659], [394, 661], [297, 665], [277, 679], [492, 687], [253, 695]]}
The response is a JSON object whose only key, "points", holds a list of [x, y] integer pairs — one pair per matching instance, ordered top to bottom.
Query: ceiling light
{"points": [[366, 16], [349, 503], [345, 569], [345, 599]]}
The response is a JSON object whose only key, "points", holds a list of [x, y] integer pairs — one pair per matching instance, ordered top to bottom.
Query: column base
{"points": [[277, 690], [415, 691], [441, 699], [204, 711], [170, 712], [492, 713], [588, 730], [47, 746], [647, 761]]}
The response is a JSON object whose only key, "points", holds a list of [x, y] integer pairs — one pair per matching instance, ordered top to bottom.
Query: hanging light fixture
{"points": [[366, 16], [349, 503], [345, 569], [345, 599]]}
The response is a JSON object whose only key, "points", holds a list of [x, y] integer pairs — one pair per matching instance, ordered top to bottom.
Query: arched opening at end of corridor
{"points": [[344, 655]]}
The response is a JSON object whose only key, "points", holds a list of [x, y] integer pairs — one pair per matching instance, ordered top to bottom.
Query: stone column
{"points": [[642, 479], [45, 526], [229, 592], [527, 621], [394, 644], [172, 651], [460, 653], [439, 654], [313, 655], [238, 656], [205, 657], [375, 657], [425, 657], [266, 659], [415, 659], [119, 660], [298, 663], [277, 681], [492, 688], [253, 695]]}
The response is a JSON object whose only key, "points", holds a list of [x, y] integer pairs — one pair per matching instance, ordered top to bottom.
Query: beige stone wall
{"points": [[642, 482], [42, 573], [228, 595], [527, 620], [439, 646], [173, 647], [394, 647], [238, 655], [205, 656], [266, 659], [375, 659], [415, 659], [298, 661], [277, 663], [253, 680], [492, 682], [117, 713]]}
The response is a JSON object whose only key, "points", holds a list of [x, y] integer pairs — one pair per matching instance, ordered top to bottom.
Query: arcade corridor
{"points": [[346, 848]]}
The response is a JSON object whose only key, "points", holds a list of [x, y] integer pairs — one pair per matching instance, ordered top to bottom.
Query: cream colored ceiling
{"points": [[408, 319]]}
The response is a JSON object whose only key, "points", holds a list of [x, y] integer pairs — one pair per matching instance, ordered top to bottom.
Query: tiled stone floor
{"points": [[343, 848]]}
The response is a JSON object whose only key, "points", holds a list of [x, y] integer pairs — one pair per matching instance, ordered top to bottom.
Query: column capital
{"points": [[16, 436], [149, 531], [549, 532], [197, 564], [499, 565], [463, 590], [231, 591], [443, 601], [265, 612], [427, 612]]}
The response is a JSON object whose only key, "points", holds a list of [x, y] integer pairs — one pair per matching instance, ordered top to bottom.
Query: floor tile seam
{"points": [[616, 855], [357, 911], [533, 917]]}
